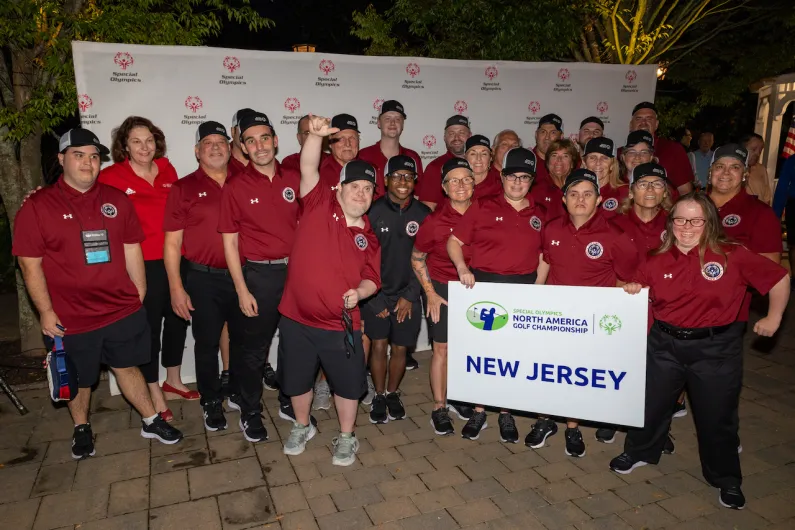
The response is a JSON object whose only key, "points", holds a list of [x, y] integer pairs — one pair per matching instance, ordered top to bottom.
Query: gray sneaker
{"points": [[368, 398], [322, 399], [299, 435], [344, 450]]}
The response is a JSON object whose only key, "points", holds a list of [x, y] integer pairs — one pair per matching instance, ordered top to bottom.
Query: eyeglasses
{"points": [[635, 154], [397, 177], [521, 178], [466, 181], [655, 184], [695, 222], [347, 323]]}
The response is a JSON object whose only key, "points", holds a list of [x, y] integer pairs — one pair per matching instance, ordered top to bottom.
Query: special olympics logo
{"points": [[123, 59], [231, 63], [326, 66], [413, 69], [491, 72], [563, 74], [631, 76], [84, 102], [193, 103], [292, 104], [377, 104], [460, 106], [534, 107], [602, 107], [429, 141], [594, 250], [712, 271]]}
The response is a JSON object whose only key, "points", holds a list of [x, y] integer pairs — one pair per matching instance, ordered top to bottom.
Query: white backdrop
{"points": [[180, 87]]}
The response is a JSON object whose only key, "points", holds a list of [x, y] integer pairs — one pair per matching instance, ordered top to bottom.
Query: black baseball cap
{"points": [[391, 105], [644, 105], [237, 116], [252, 119], [554, 119], [592, 119], [457, 120], [345, 122], [210, 127], [79, 137], [636, 137], [477, 139], [602, 145], [731, 150], [519, 160], [398, 162], [453, 164], [649, 169], [357, 170], [579, 175]]}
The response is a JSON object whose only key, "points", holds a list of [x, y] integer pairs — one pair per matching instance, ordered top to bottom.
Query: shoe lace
{"points": [[322, 390], [393, 397], [442, 415], [478, 419], [507, 421], [537, 428], [298, 435], [574, 435], [344, 446]]}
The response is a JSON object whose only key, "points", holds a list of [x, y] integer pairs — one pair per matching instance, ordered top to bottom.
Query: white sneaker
{"points": [[368, 398], [322, 400], [299, 435], [345, 450]]}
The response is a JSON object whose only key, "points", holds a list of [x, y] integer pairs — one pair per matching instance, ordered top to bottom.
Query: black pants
{"points": [[492, 277], [266, 284], [215, 301], [161, 318], [711, 369]]}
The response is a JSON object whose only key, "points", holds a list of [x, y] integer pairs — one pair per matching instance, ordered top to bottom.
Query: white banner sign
{"points": [[573, 352]]}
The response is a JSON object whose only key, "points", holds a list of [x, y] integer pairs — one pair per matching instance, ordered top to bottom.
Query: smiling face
{"points": [[645, 120], [391, 124], [545, 135], [455, 138], [260, 144], [141, 145], [344, 146], [213, 152], [637, 154], [479, 158], [559, 164], [599, 164], [80, 166], [726, 175], [400, 185], [459, 185], [516, 186], [648, 192], [355, 197], [581, 200], [687, 236]]}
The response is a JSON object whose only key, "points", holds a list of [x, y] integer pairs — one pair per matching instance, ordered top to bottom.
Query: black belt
{"points": [[205, 268], [692, 333]]}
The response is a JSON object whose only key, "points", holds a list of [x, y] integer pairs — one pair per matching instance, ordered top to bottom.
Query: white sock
{"points": [[150, 419]]}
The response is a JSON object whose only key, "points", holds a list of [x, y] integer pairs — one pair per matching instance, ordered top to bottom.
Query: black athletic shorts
{"points": [[438, 332], [399, 334], [303, 349]]}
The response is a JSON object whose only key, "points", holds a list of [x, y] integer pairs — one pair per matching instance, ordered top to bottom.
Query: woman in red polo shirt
{"points": [[562, 158], [600, 158], [145, 175], [487, 178], [645, 210], [697, 280]]}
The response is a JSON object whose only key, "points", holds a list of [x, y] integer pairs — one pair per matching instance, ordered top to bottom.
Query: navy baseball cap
{"points": [[391, 105], [644, 105], [237, 116], [253, 119], [554, 119], [592, 119], [457, 120], [345, 122], [210, 127], [79, 137], [636, 137], [477, 139], [602, 145], [731, 150], [519, 160], [398, 162], [453, 164], [649, 169], [357, 170], [580, 175]]}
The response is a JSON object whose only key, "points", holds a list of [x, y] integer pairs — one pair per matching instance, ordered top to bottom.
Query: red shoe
{"points": [[190, 395], [167, 415]]}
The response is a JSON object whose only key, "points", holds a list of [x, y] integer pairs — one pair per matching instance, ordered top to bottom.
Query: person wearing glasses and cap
{"points": [[456, 133], [344, 147], [599, 157], [239, 160], [487, 177], [645, 210], [504, 233], [78, 243], [581, 249], [697, 280], [392, 318], [320, 325]]}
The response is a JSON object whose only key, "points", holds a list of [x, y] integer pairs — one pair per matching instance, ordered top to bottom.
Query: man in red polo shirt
{"points": [[390, 123], [590, 127], [550, 129], [456, 133], [344, 146], [670, 154], [239, 159], [293, 161], [259, 215], [79, 247], [208, 296], [321, 319]]}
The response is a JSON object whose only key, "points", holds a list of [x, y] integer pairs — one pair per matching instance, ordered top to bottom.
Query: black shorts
{"points": [[789, 221], [493, 277], [438, 332], [399, 334], [123, 344], [303, 349]]}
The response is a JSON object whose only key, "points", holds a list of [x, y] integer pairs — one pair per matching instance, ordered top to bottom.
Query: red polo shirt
{"points": [[374, 156], [673, 158], [293, 161], [236, 165], [330, 171], [542, 173], [491, 185], [429, 187], [550, 198], [612, 199], [149, 200], [193, 206], [262, 212], [48, 226], [646, 236], [432, 239], [503, 240], [596, 255], [328, 258], [685, 294]]}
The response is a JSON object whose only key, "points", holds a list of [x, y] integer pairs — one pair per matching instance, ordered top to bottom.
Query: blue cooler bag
{"points": [[61, 373]]}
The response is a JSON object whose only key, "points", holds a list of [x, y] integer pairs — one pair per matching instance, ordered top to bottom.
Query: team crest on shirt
{"points": [[288, 194], [610, 204], [109, 210], [731, 220], [535, 222], [412, 228], [361, 242], [594, 250], [712, 271]]}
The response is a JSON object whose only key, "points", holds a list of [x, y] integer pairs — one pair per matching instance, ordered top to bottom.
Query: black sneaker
{"points": [[411, 363], [269, 378], [226, 389], [233, 402], [395, 406], [680, 410], [464, 412], [287, 413], [378, 413], [214, 419], [441, 423], [476, 423], [252, 427], [542, 429], [161, 431], [508, 431], [606, 435], [83, 442], [575, 446], [669, 448], [624, 464], [732, 497]]}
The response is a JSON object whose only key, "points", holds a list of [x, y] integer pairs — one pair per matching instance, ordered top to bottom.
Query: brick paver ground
{"points": [[405, 478]]}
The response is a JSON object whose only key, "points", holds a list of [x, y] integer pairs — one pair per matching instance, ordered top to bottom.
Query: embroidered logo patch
{"points": [[288, 194], [610, 204], [109, 210], [731, 220], [535, 222], [412, 228], [361, 242], [594, 250], [712, 271]]}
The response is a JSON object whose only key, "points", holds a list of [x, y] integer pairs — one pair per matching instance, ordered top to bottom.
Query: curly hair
{"points": [[121, 133], [564, 144]]}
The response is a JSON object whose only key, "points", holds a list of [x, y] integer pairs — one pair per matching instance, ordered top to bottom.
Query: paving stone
{"points": [[113, 421], [47, 431], [391, 440], [112, 442], [189, 444], [229, 447], [487, 451], [58, 452], [23, 454], [314, 454], [381, 457], [448, 459], [525, 460], [414, 466], [326, 468], [484, 468], [102, 470], [559, 471], [306, 472], [279, 474], [641, 474], [366, 476], [224, 477], [446, 477], [54, 479], [520, 480], [16, 482], [597, 482], [677, 483], [324, 485], [401, 487], [169, 488], [478, 489], [561, 491], [640, 494], [129, 496], [289, 498], [356, 498], [432, 501], [518, 501], [601, 504], [322, 505], [688, 506], [73, 507], [774, 508], [241, 509], [391, 510], [475, 512], [201, 514], [19, 515], [556, 516], [648, 516], [739, 519], [303, 520], [348, 520], [440, 520], [523, 520], [130, 521], [609, 522], [702, 523]]}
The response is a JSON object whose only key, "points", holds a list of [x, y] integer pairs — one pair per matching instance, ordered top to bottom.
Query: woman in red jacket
{"points": [[145, 175]]}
